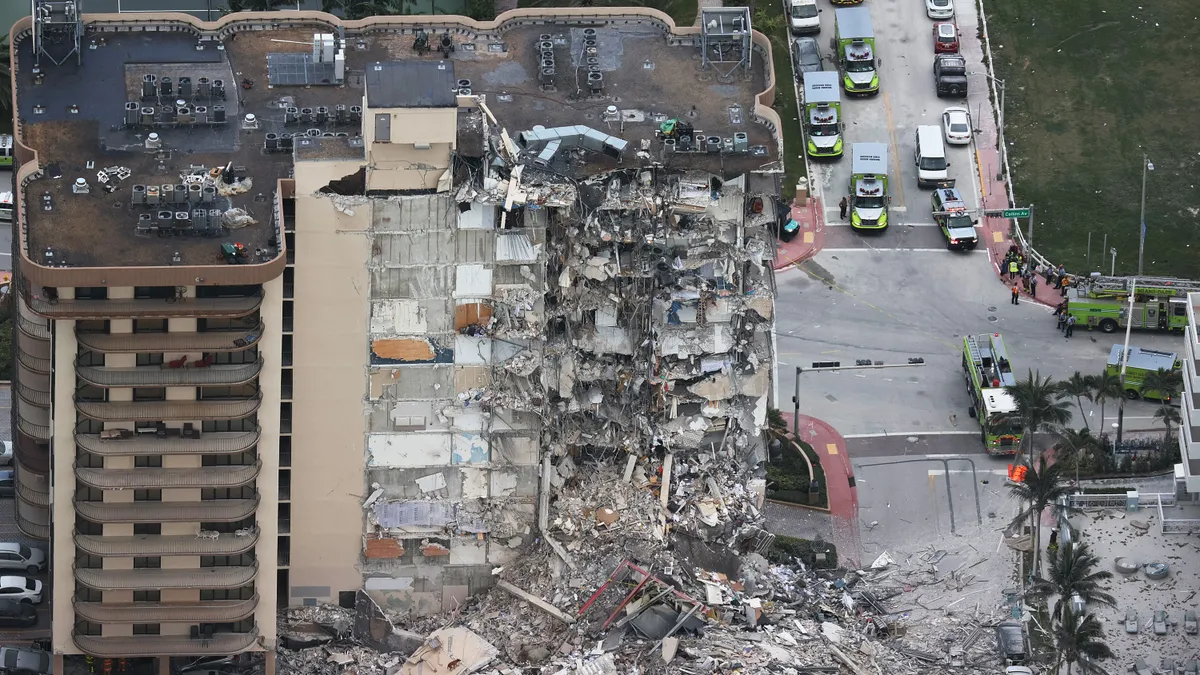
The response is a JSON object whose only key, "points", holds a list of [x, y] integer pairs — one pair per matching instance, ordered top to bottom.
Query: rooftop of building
{"points": [[76, 118]]}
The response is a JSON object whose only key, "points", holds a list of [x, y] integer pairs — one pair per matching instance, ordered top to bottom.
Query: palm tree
{"points": [[1165, 383], [1080, 387], [1105, 387], [1039, 406], [1169, 416], [1077, 444], [1041, 488], [1072, 572], [1079, 641]]}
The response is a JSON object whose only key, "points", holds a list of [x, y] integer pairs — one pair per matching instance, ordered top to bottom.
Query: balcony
{"points": [[149, 308], [37, 328], [144, 343], [34, 364], [157, 376], [28, 392], [209, 409], [33, 422], [209, 443], [31, 454], [162, 479], [32, 488], [211, 511], [33, 521], [166, 545], [155, 579], [216, 611], [220, 644]]}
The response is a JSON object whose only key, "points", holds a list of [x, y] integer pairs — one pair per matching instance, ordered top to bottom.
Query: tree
{"points": [[482, 10], [5, 76], [1166, 383], [1080, 387], [1105, 387], [1039, 407], [1169, 416], [1077, 445], [1041, 488], [1072, 572], [1079, 641]]}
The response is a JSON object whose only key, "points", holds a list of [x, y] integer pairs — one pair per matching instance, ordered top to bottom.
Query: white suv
{"points": [[15, 556]]}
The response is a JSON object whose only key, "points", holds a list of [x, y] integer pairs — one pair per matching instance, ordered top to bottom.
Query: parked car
{"points": [[939, 9], [945, 37], [806, 57], [956, 125], [6, 453], [8, 483], [14, 556], [23, 589], [15, 614], [1131, 621], [1160, 622], [1189, 622], [1010, 635], [25, 661]]}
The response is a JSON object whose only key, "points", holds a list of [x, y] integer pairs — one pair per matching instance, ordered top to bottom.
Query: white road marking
{"points": [[906, 250], [901, 434], [994, 472]]}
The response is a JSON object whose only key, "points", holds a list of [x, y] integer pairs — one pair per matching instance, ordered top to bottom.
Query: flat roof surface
{"points": [[411, 84], [80, 112], [1146, 359], [998, 401]]}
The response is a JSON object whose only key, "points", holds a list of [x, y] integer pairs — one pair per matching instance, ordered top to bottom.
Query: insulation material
{"points": [[478, 217], [515, 247], [472, 281], [471, 314], [398, 317], [404, 349], [472, 351], [468, 421], [470, 449], [408, 450], [434, 482], [475, 483], [413, 515]]}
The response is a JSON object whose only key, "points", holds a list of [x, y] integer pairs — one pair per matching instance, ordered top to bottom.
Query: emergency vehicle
{"points": [[1159, 303], [1137, 366], [988, 373]]}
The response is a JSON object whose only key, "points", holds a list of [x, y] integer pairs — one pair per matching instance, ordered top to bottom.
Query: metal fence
{"points": [[1080, 500]]}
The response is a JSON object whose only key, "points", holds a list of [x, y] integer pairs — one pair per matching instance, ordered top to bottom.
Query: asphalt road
{"points": [[901, 294]]}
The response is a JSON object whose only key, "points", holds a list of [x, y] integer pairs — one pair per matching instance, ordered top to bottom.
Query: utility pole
{"points": [[1147, 166], [1030, 242], [1125, 361]]}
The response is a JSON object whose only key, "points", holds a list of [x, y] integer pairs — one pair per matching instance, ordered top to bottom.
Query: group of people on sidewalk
{"points": [[1016, 266], [1066, 322]]}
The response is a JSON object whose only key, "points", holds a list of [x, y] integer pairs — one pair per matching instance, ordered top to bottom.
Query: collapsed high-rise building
{"points": [[310, 309]]}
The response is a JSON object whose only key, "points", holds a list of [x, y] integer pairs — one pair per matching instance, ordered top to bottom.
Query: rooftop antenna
{"points": [[57, 22]]}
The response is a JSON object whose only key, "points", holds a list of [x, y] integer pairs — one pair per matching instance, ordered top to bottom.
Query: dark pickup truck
{"points": [[950, 75]]}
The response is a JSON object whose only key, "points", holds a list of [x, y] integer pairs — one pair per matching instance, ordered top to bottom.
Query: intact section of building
{"points": [[310, 310], [1188, 471]]}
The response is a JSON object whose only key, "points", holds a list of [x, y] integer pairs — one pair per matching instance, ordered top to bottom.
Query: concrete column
{"points": [[268, 660], [164, 665], [59, 667]]}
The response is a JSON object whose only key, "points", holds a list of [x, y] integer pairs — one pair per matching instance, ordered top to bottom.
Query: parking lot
{"points": [[9, 532]]}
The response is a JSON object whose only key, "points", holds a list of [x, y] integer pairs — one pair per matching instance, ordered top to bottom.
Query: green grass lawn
{"points": [[768, 18], [1091, 85]]}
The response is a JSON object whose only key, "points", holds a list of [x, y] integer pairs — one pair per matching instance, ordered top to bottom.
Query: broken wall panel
{"points": [[397, 351], [470, 448], [408, 449]]}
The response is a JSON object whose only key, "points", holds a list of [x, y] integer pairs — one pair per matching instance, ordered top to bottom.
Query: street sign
{"points": [[1008, 213]]}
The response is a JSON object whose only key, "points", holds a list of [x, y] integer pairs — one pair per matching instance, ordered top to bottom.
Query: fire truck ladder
{"points": [[1120, 286], [975, 357]]}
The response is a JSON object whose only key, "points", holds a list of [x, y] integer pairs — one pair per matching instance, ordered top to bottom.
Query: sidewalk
{"points": [[808, 241], [839, 483]]}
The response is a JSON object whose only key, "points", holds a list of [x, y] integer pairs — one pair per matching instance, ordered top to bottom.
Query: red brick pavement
{"points": [[810, 239], [843, 495]]}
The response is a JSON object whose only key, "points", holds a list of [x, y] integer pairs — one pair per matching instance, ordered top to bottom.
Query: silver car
{"points": [[14, 556], [25, 661]]}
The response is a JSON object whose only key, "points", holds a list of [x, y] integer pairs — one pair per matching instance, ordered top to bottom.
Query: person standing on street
{"points": [[844, 205], [1013, 268], [1060, 274], [1033, 282], [1064, 284], [1016, 295], [1070, 326]]}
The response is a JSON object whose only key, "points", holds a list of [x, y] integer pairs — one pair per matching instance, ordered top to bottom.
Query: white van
{"points": [[802, 15], [930, 157]]}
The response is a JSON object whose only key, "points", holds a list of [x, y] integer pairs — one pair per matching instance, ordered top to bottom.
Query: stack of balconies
{"points": [[112, 434], [31, 449]]}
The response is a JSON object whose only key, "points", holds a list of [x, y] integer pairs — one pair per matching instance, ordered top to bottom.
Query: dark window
{"points": [[227, 291], [154, 292], [91, 293], [149, 325], [91, 326], [90, 358], [233, 358], [150, 359], [87, 392], [149, 394], [244, 424], [285, 451], [240, 459], [148, 461], [244, 492], [87, 494], [141, 495], [85, 526], [147, 528], [229, 528], [244, 560], [89, 562], [147, 563], [244, 593], [85, 594], [147, 596], [346, 599], [88, 628], [145, 629]]}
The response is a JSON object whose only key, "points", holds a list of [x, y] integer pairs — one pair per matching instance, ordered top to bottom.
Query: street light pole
{"points": [[1000, 131], [1147, 166], [1125, 362]]}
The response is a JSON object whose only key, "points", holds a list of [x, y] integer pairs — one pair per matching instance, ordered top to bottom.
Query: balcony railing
{"points": [[150, 308], [37, 329], [143, 343], [34, 364], [159, 376], [31, 395], [207, 409], [33, 428], [207, 443], [31, 454], [162, 479], [32, 488], [210, 511], [33, 521], [33, 530], [155, 545], [155, 579], [216, 611], [165, 645]]}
